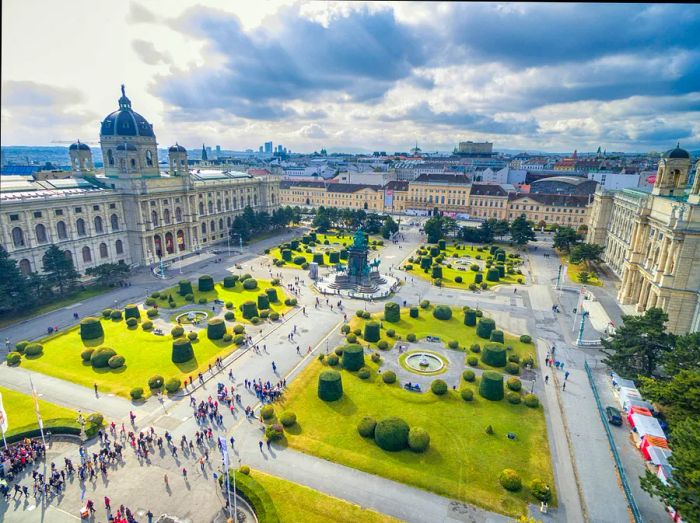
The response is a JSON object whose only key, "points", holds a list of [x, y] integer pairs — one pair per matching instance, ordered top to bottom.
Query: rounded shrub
{"points": [[299, 260], [475, 267], [493, 275], [458, 279], [205, 283], [250, 284], [185, 288], [189, 297], [202, 301], [263, 301], [424, 304], [249, 309], [132, 311], [392, 312], [413, 312], [442, 312], [107, 313], [152, 313], [359, 313], [264, 314], [366, 315], [229, 316], [274, 316], [255, 320], [132, 322], [147, 325], [345, 328], [484, 328], [91, 329], [216, 329], [238, 329], [177, 331], [371, 333], [391, 333], [192, 336], [497, 336], [227, 337], [411, 337], [351, 338], [525, 338], [239, 339], [382, 344], [453, 344], [21, 345], [475, 348], [33, 349], [182, 351], [339, 351], [86, 354], [494, 354], [353, 357], [375, 357], [13, 358], [100, 358], [514, 358], [332, 360], [116, 361], [473, 361], [512, 368], [363, 373], [468, 375], [389, 377], [155, 382], [514, 384], [173, 385], [330, 385], [491, 385], [438, 387], [136, 393], [467, 394], [513, 397], [531, 401], [267, 412], [287, 419], [366, 427], [391, 434], [418, 439], [245, 469], [510, 480], [540, 490]]}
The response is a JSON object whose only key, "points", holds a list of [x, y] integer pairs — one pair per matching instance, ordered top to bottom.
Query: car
{"points": [[614, 417]]}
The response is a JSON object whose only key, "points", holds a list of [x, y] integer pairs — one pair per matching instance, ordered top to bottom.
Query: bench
{"points": [[432, 338], [412, 388]]}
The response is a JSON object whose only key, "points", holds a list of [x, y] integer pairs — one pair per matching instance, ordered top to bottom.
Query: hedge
{"points": [[442, 245], [434, 251], [287, 254], [334, 257], [318, 258], [299, 260], [426, 262], [501, 270], [492, 274], [478, 278], [230, 281], [205, 283], [250, 283], [185, 288], [271, 296], [263, 301], [249, 309], [132, 311], [392, 312], [413, 312], [442, 312], [470, 317], [484, 328], [91, 329], [216, 329], [371, 333], [497, 336], [33, 349], [182, 350], [494, 354], [353, 357], [100, 358], [116, 361], [468, 375], [389, 377], [514, 384], [330, 385], [491, 385], [438, 387], [467, 394], [531, 400], [287, 419], [54, 426], [366, 427], [391, 434], [418, 439], [510, 480], [254, 493]]}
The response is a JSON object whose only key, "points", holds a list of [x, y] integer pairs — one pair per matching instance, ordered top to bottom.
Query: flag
{"points": [[36, 405], [3, 416], [224, 451]]}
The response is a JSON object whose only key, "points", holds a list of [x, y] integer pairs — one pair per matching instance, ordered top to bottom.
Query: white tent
{"points": [[619, 382], [627, 393], [639, 403], [647, 426], [659, 456]]}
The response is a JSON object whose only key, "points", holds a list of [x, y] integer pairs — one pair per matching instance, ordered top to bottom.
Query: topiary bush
{"points": [[287, 254], [318, 258], [299, 260], [426, 262], [436, 272], [493, 275], [458, 279], [230, 281], [205, 283], [250, 284], [185, 288], [189, 297], [272, 297], [202, 301], [263, 301], [424, 304], [249, 309], [132, 311], [392, 312], [413, 312], [442, 312], [107, 313], [152, 313], [229, 316], [274, 316], [255, 320], [132, 322], [147, 325], [91, 328], [216, 328], [484, 328], [177, 331], [371, 333], [391, 333], [192, 336], [497, 336], [227, 337], [411, 337], [351, 338], [525, 338], [239, 339], [453, 344], [475, 348], [33, 349], [182, 351], [86, 354], [494, 354], [353, 357], [375, 357], [513, 357], [13, 358], [100, 358], [333, 360], [116, 361], [473, 361], [512, 368], [363, 373], [468, 375], [389, 377], [155, 382], [514, 384], [173, 385], [330, 385], [491, 385], [438, 387], [136, 393], [467, 394], [513, 397], [531, 401], [267, 412], [287, 419], [366, 427], [391, 434], [418, 439], [510, 480], [540, 490]]}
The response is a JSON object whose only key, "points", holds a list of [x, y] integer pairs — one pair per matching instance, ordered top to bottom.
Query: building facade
{"points": [[134, 212], [652, 242]]}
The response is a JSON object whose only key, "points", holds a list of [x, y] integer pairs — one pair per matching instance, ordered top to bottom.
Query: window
{"points": [[110, 157], [149, 158], [133, 163], [153, 203], [112, 205], [210, 206], [95, 207], [78, 210], [58, 212], [37, 214], [178, 215], [166, 216], [154, 218], [114, 221], [221, 224], [98, 225], [80, 226], [212, 226], [204, 228], [61, 230], [41, 233], [17, 237], [119, 246], [103, 250], [87, 255], [25, 267]]}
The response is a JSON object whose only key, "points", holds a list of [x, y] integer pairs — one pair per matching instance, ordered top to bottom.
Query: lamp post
{"points": [[81, 422]]}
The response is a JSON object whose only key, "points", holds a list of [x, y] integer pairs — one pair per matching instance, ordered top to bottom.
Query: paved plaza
{"points": [[584, 471]]}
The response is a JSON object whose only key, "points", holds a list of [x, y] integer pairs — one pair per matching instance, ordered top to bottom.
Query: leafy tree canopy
{"points": [[565, 238]]}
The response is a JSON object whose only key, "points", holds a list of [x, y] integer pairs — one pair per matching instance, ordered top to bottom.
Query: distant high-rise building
{"points": [[268, 147], [474, 148], [261, 149], [218, 151], [204, 153]]}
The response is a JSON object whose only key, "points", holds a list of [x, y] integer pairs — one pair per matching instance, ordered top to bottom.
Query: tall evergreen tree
{"points": [[521, 231], [565, 238], [59, 270], [15, 293]]}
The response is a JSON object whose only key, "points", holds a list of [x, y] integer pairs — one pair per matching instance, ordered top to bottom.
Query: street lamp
{"points": [[81, 422]]}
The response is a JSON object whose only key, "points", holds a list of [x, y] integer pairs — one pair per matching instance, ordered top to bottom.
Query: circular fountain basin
{"points": [[192, 317], [424, 362]]}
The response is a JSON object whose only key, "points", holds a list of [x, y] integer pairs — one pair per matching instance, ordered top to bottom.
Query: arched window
{"points": [[110, 157], [149, 158], [133, 163], [255, 199], [249, 200], [242, 202], [227, 204], [210, 205], [218, 205], [201, 208], [178, 215], [166, 216], [154, 218], [114, 220], [228, 222], [98, 224], [221, 224], [80, 226], [212, 226], [204, 228], [61, 230], [41, 233], [18, 237], [180, 240], [159, 245], [169, 245], [119, 246], [103, 250], [68, 255], [87, 255], [25, 267]]}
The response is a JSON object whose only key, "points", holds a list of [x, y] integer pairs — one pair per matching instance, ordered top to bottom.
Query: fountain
{"points": [[193, 317], [424, 362]]}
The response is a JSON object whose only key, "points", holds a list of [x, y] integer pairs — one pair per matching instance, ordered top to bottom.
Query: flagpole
{"points": [[38, 414], [3, 421]]}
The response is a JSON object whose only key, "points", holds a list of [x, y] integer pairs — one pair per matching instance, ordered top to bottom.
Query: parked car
{"points": [[614, 417]]}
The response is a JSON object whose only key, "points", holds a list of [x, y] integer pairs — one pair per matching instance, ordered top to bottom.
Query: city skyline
{"points": [[359, 77]]}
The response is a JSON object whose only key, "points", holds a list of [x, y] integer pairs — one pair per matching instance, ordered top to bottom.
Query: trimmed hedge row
{"points": [[55, 426], [254, 493]]}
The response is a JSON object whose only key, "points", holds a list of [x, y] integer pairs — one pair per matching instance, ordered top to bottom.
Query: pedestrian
{"points": [[566, 375], [546, 380], [95, 385], [563, 387], [260, 444], [184, 472], [107, 505]]}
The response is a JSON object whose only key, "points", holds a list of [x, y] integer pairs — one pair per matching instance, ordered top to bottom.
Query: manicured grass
{"points": [[336, 242], [573, 270], [237, 295], [453, 329], [146, 355], [20, 411], [462, 462], [296, 503]]}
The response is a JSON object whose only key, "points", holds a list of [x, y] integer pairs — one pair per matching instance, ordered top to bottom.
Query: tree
{"points": [[541, 224], [389, 227], [499, 227], [433, 229], [486, 230], [521, 231], [565, 238], [586, 252], [59, 269], [108, 272], [584, 276], [15, 293], [639, 344], [684, 356], [678, 396], [683, 491]]}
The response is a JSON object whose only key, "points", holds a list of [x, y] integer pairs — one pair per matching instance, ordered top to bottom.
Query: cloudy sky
{"points": [[378, 76]]}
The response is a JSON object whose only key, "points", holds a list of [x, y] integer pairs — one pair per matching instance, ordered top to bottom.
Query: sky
{"points": [[355, 76]]}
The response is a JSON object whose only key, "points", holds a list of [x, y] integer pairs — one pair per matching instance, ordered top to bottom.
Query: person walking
{"points": [[566, 375], [546, 380], [95, 385], [563, 387], [260, 444], [184, 473], [107, 505]]}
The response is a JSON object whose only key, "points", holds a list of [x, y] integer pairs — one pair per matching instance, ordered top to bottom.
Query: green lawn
{"points": [[336, 242], [573, 270], [237, 295], [453, 329], [146, 355], [20, 411], [462, 462], [296, 503]]}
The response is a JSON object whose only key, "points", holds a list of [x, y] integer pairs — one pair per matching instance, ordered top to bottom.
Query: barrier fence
{"points": [[618, 462]]}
